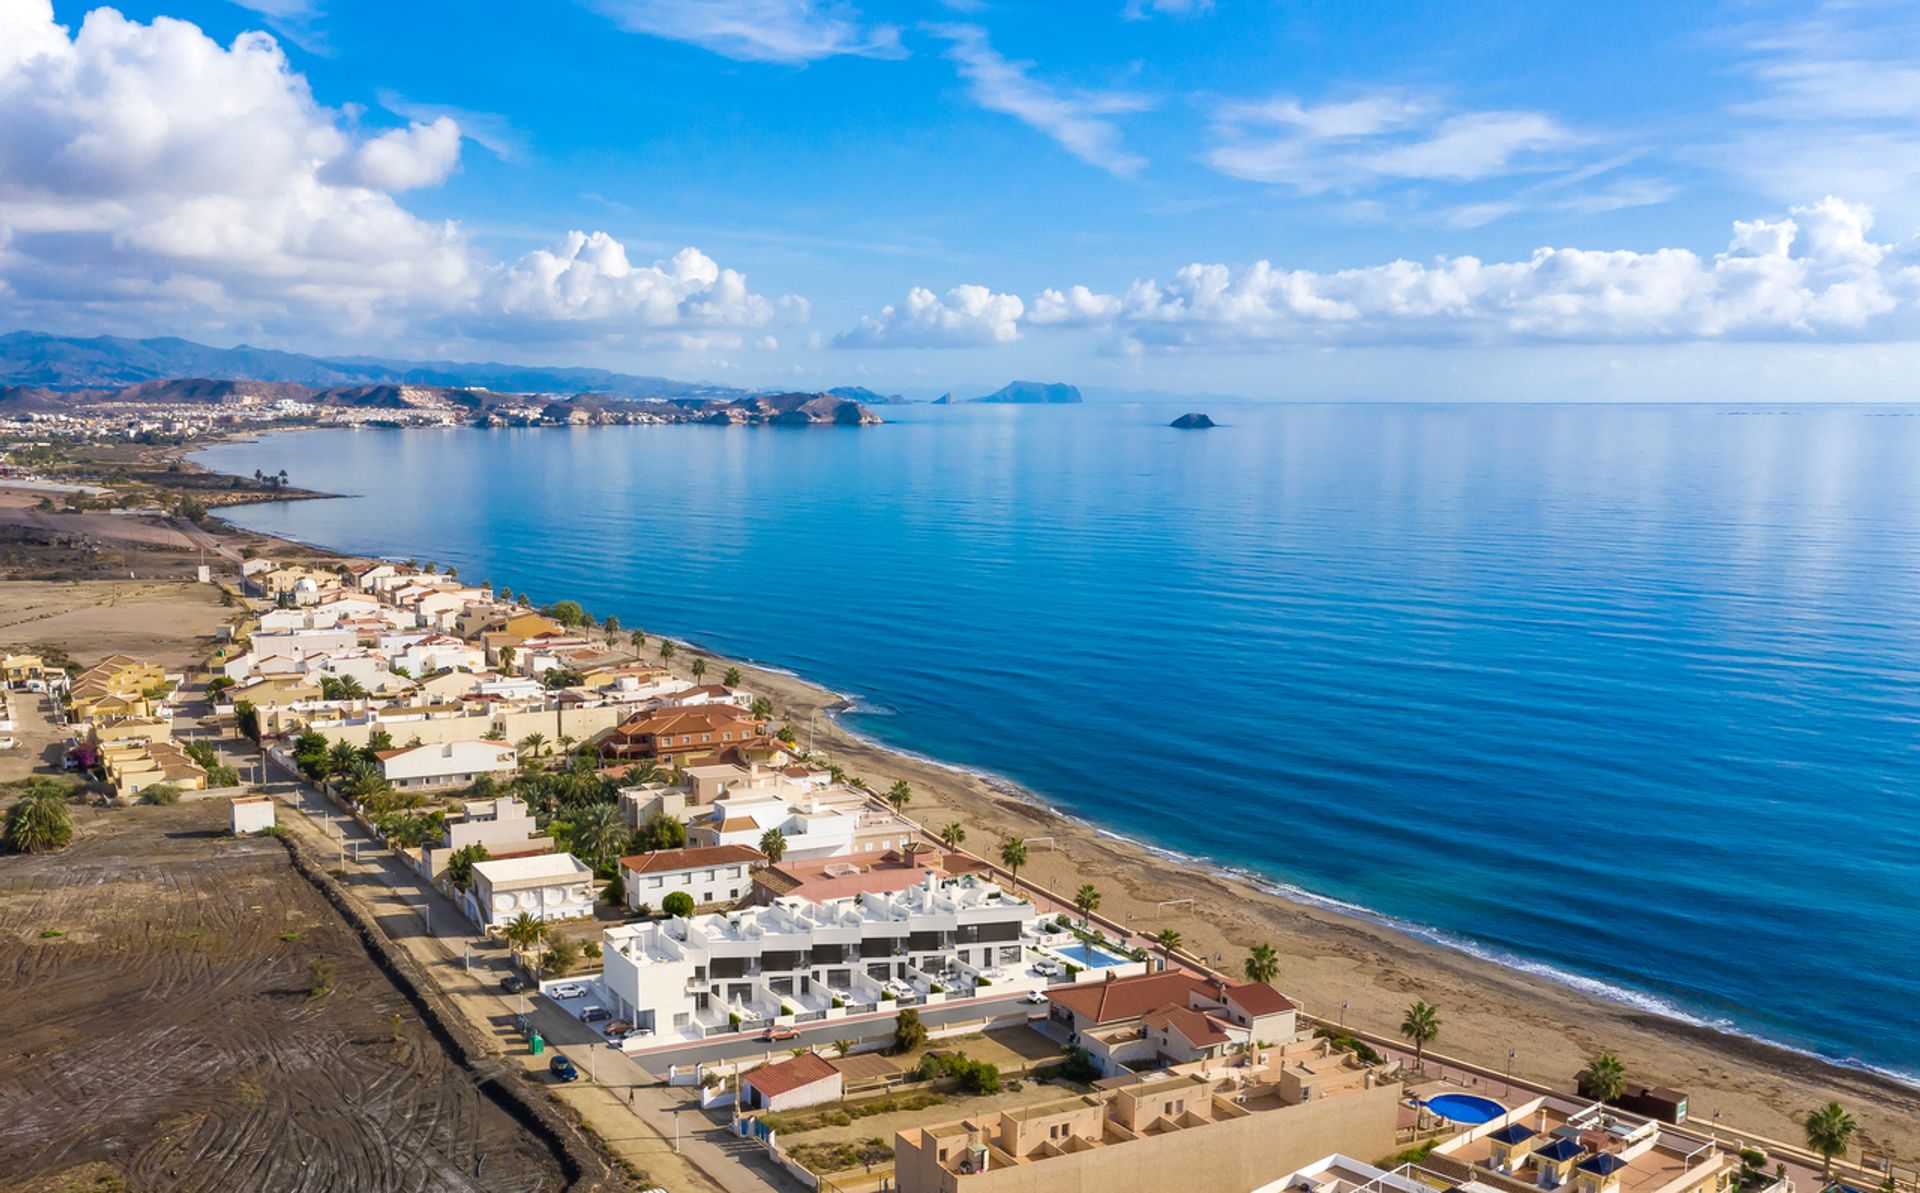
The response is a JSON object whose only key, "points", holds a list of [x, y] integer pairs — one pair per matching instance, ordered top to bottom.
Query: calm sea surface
{"points": [[1624, 694]]}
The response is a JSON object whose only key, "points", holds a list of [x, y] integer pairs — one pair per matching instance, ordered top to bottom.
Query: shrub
{"points": [[160, 793], [679, 903], [591, 949], [561, 957], [320, 978], [982, 980], [936, 988], [886, 996], [838, 1001], [785, 1009], [733, 1020], [908, 1032]]}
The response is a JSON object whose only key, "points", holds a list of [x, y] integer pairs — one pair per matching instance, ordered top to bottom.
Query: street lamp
{"points": [[1343, 1014], [1511, 1054]]}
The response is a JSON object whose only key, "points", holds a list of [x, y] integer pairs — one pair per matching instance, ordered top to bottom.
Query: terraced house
{"points": [[686, 736]]}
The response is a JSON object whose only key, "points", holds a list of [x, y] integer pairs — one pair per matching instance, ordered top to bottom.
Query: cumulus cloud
{"points": [[791, 31], [1078, 120], [1384, 135], [147, 171], [1814, 273], [967, 317]]}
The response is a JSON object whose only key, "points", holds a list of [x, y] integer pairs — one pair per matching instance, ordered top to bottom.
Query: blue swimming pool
{"points": [[1090, 955], [1465, 1108]]}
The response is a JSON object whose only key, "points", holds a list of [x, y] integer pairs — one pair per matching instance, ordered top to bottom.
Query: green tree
{"points": [[567, 613], [612, 627], [639, 639], [667, 650], [505, 654], [699, 668], [731, 678], [760, 709], [247, 719], [533, 745], [340, 757], [164, 794], [900, 794], [40, 822], [660, 831], [600, 835], [954, 835], [773, 843], [1013, 855], [460, 864], [1087, 899], [679, 903], [523, 932], [1167, 940], [560, 958], [1263, 964], [1422, 1027], [908, 1032], [1605, 1078], [1829, 1132]]}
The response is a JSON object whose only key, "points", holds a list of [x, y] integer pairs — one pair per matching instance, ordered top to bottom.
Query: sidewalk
{"points": [[710, 1158]]}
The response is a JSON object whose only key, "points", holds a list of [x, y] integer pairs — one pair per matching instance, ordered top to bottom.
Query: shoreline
{"points": [[1347, 960]]}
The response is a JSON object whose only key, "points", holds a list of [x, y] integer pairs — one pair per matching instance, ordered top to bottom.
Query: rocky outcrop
{"points": [[1034, 393], [1193, 422]]}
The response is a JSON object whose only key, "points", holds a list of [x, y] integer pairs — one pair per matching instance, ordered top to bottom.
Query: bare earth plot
{"points": [[172, 623], [166, 1037]]}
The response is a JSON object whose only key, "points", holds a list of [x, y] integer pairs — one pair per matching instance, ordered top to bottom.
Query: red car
{"points": [[776, 1033]]}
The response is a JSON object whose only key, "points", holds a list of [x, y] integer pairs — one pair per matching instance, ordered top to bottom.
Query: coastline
{"points": [[1332, 954]]}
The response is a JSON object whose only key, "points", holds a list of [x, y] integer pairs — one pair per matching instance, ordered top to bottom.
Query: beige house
{"points": [[1233, 1129]]}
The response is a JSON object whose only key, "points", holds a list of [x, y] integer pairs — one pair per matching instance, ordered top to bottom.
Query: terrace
{"points": [[1548, 1143]]}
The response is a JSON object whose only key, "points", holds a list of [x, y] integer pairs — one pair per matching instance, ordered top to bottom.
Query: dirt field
{"points": [[171, 623], [158, 1029]]}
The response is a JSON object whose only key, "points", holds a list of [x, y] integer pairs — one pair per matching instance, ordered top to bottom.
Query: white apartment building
{"points": [[501, 825], [708, 876], [688, 975]]}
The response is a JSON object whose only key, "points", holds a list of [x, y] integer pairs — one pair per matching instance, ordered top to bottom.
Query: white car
{"points": [[7, 743], [1046, 968], [567, 990], [1035, 997]]}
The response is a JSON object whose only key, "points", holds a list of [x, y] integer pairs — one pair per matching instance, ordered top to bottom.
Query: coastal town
{"points": [[678, 938]]}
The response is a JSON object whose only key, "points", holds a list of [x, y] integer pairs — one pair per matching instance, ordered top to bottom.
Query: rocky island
{"points": [[1193, 422]]}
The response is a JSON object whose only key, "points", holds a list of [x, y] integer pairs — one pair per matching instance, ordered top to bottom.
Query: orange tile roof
{"points": [[668, 860], [1124, 998], [1258, 998], [1196, 1028], [789, 1075]]}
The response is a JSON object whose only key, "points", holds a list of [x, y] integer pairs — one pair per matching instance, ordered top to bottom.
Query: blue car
{"points": [[562, 1068]]}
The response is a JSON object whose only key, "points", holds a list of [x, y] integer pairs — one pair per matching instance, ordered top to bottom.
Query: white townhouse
{"points": [[446, 764], [502, 826], [721, 874], [547, 886], [689, 975]]}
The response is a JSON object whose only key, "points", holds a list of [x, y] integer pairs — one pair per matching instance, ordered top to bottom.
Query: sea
{"points": [[1627, 696]]}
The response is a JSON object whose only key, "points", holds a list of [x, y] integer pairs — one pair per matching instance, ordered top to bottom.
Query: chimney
{"points": [[933, 881]]}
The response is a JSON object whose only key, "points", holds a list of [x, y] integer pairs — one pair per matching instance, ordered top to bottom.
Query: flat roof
{"points": [[539, 865]]}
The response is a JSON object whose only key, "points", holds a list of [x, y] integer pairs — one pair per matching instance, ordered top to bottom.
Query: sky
{"points": [[1261, 198]]}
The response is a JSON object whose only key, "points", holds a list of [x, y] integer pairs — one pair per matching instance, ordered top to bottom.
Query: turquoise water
{"points": [[1626, 695], [1090, 956], [1465, 1108]]}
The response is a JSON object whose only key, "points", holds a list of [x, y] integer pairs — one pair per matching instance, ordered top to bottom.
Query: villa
{"points": [[682, 736], [447, 764], [501, 826], [714, 875], [548, 886], [691, 974], [1171, 1017], [1228, 1129], [1553, 1142]]}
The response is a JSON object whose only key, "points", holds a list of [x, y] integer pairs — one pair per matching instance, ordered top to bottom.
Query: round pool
{"points": [[1464, 1108]]}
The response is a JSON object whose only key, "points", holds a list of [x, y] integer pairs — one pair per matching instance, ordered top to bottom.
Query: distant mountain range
{"points": [[32, 358]]}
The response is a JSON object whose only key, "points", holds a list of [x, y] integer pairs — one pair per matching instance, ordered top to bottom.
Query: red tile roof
{"points": [[669, 860], [1124, 998], [1258, 998], [1197, 1029], [789, 1075]]}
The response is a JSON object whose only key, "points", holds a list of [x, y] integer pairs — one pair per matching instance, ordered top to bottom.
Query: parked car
{"points": [[7, 743], [1046, 968], [513, 983], [566, 990], [1036, 997], [595, 1014], [777, 1033], [562, 1068]]}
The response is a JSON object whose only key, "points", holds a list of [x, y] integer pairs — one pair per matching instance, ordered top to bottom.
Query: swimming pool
{"points": [[1090, 955], [1465, 1108]]}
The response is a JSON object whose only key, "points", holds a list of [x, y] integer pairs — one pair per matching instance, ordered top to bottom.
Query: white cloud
{"points": [[1140, 10], [792, 31], [1077, 120], [490, 130], [1381, 136], [402, 159], [151, 176], [1815, 273], [967, 317]]}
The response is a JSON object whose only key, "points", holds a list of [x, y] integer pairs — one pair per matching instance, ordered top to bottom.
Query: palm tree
{"points": [[612, 626], [638, 638], [667, 649], [506, 658], [699, 668], [732, 677], [352, 689], [761, 709], [565, 743], [532, 744], [340, 758], [900, 794], [40, 822], [599, 834], [954, 835], [773, 843], [1013, 855], [1087, 899], [523, 932], [1166, 940], [1263, 964], [1422, 1026], [1606, 1077], [1829, 1130]]}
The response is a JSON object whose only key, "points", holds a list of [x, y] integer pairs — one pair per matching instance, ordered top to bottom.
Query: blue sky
{"points": [[1268, 199]]}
